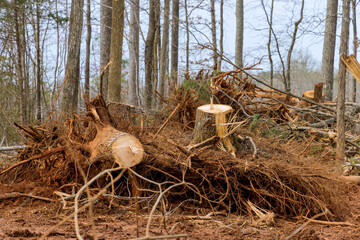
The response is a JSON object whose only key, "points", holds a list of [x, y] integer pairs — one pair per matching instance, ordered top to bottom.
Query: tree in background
{"points": [[269, 20], [117, 32], [213, 34], [105, 40], [88, 42], [239, 42], [174, 43], [355, 45], [149, 46], [164, 48], [134, 51], [327, 68], [71, 87], [340, 107]]}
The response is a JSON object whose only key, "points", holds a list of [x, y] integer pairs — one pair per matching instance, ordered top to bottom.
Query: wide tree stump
{"points": [[211, 121], [124, 148]]}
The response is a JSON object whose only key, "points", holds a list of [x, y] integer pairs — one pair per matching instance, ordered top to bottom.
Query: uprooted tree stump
{"points": [[211, 121], [125, 148]]}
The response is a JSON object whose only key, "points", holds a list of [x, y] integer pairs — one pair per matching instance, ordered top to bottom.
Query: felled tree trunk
{"points": [[211, 121], [124, 148]]}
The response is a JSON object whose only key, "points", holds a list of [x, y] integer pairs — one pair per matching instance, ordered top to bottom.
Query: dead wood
{"points": [[12, 148], [39, 156], [17, 195]]}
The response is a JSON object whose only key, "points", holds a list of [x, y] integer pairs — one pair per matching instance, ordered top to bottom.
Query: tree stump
{"points": [[211, 121]]}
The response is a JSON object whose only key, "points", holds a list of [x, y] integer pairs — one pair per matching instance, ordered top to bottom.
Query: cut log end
{"points": [[127, 151]]}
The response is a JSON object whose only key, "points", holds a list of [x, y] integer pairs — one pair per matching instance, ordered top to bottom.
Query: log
{"points": [[211, 121], [12, 148], [124, 148]]}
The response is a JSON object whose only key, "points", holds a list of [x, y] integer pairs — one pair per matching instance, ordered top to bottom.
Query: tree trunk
{"points": [[270, 22], [117, 31], [213, 33], [221, 33], [187, 36], [239, 40], [105, 41], [88, 42], [149, 44], [174, 44], [355, 45], [164, 47], [156, 49], [134, 51], [38, 62], [288, 62], [19, 66], [327, 68], [71, 87], [340, 116]]}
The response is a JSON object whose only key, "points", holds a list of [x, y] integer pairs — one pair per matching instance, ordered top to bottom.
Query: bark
{"points": [[270, 22], [117, 31], [213, 33], [221, 33], [187, 36], [105, 41], [239, 41], [88, 42], [174, 43], [149, 44], [355, 44], [164, 47], [156, 48], [134, 51], [38, 62], [288, 62], [20, 63], [327, 68], [71, 87], [340, 116]]}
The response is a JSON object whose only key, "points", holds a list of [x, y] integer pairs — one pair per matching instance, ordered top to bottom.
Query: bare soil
{"points": [[27, 218]]}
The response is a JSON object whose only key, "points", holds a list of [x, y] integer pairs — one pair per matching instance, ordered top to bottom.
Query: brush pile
{"points": [[267, 174]]}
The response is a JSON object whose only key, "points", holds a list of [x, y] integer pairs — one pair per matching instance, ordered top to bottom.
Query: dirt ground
{"points": [[28, 218]]}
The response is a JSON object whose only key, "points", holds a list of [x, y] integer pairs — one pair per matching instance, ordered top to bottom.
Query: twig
{"points": [[167, 120], [211, 140], [254, 146], [12, 148], [42, 155], [78, 194], [17, 195], [91, 200], [306, 223], [330, 223]]}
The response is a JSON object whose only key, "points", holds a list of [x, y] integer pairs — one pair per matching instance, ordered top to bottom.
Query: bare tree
{"points": [[269, 20], [117, 32], [213, 33], [187, 35], [105, 40], [239, 41], [174, 43], [221, 43], [344, 43], [88, 44], [149, 45], [355, 45], [164, 47], [20, 48], [134, 51], [38, 62], [288, 62], [327, 68], [71, 88]]}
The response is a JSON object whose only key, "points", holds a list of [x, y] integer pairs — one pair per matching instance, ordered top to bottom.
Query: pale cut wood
{"points": [[352, 65], [210, 121], [12, 148]]}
